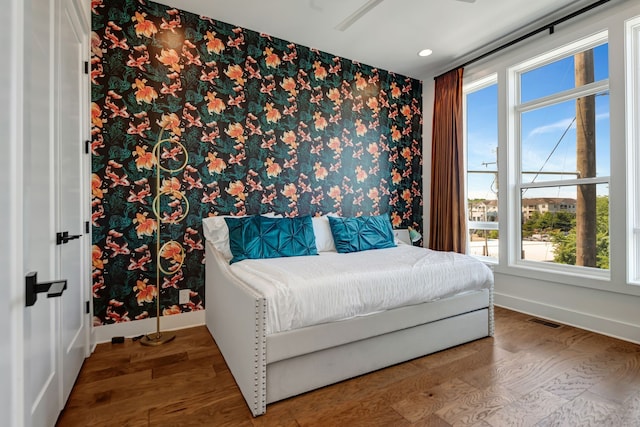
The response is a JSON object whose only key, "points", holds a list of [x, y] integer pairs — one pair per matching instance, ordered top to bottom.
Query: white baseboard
{"points": [[587, 321], [135, 328]]}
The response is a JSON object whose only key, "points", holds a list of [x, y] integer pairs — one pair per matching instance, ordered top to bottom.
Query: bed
{"points": [[288, 325]]}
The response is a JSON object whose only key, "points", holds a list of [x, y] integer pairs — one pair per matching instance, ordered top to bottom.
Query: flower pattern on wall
{"points": [[268, 126]]}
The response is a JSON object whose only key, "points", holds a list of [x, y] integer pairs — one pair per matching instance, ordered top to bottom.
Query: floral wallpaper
{"points": [[248, 123]]}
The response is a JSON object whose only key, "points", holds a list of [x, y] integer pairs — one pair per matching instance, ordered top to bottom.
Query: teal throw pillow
{"points": [[362, 233], [258, 237]]}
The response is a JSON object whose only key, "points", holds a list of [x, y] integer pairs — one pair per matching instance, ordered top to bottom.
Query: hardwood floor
{"points": [[529, 374]]}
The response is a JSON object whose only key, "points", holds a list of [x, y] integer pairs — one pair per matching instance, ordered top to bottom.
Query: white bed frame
{"points": [[281, 365]]}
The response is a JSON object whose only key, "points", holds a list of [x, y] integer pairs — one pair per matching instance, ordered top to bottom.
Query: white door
{"points": [[55, 107], [71, 189], [41, 330]]}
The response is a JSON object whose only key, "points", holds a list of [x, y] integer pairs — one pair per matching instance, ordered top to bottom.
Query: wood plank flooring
{"points": [[527, 375]]}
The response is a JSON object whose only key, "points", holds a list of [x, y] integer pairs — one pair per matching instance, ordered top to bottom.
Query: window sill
{"points": [[488, 261], [583, 279]]}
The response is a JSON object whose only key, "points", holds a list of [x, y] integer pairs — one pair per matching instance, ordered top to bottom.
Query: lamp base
{"points": [[157, 338]]}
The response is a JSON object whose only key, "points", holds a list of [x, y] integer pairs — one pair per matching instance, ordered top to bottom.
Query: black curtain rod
{"points": [[549, 27]]}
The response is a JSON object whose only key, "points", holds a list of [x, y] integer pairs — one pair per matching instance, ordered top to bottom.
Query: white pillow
{"points": [[216, 231], [322, 232]]}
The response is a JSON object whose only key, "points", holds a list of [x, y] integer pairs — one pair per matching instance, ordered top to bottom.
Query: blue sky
{"points": [[541, 129]]}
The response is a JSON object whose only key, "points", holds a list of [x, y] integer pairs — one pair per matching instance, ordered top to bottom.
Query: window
{"points": [[481, 137], [633, 149], [562, 156], [542, 188]]}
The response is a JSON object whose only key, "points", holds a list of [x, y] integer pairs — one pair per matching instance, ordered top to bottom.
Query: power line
{"points": [[554, 149]]}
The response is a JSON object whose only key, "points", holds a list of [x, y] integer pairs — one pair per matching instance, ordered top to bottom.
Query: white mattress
{"points": [[304, 291]]}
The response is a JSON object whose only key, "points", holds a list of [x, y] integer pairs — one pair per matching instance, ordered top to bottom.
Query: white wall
{"points": [[428, 88], [609, 306], [11, 402]]}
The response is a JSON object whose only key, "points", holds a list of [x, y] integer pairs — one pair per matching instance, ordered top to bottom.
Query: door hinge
{"points": [[86, 67], [87, 144], [86, 227], [86, 307]]}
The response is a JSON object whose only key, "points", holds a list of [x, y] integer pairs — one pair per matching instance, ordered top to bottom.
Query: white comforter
{"points": [[304, 291]]}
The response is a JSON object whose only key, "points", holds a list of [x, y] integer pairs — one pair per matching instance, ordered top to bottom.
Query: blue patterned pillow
{"points": [[362, 233], [257, 237]]}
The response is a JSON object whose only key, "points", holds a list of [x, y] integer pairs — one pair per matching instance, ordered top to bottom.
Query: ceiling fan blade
{"points": [[362, 10]]}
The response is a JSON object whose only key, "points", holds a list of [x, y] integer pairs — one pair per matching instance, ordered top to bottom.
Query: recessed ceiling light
{"points": [[425, 52]]}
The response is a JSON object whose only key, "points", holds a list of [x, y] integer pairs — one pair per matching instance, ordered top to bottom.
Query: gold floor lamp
{"points": [[171, 247]]}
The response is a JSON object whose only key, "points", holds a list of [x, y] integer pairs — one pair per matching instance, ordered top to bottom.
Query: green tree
{"points": [[548, 222], [529, 226], [565, 242]]}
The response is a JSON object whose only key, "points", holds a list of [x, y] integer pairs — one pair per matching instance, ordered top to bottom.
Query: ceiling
{"points": [[390, 32]]}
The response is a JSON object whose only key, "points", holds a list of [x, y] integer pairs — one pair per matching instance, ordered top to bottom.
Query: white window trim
{"points": [[559, 52], [476, 85], [567, 95], [632, 101], [514, 179], [565, 182], [483, 225]]}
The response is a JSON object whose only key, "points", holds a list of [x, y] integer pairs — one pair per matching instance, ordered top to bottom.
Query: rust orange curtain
{"points": [[447, 226]]}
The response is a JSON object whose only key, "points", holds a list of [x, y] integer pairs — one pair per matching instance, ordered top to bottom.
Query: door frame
{"points": [[84, 14], [80, 25], [11, 187]]}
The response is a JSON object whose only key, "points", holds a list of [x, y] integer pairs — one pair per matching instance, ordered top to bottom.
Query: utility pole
{"points": [[586, 163]]}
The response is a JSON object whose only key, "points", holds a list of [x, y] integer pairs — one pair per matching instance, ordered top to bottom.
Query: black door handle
{"points": [[64, 237], [33, 288]]}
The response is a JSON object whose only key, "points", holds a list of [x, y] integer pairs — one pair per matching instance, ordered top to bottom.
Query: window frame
{"points": [[468, 88], [632, 132], [515, 184], [530, 280]]}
